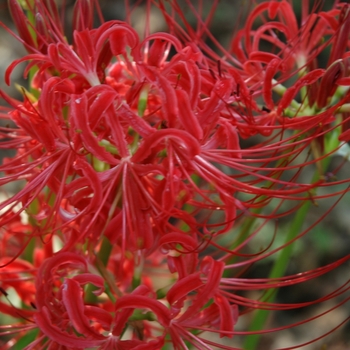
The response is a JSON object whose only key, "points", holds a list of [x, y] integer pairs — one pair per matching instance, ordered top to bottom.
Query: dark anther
{"points": [[219, 68], [212, 73], [237, 90], [3, 291]]}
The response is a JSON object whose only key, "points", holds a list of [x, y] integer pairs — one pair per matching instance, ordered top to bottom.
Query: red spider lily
{"points": [[291, 49], [134, 160], [14, 276], [60, 303], [60, 306]]}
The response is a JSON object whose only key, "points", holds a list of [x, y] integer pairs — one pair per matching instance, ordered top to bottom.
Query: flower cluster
{"points": [[135, 220]]}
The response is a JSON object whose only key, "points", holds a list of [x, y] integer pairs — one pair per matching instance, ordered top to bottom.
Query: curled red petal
{"points": [[22, 24], [341, 35], [120, 36], [160, 36], [263, 57], [15, 63], [271, 70], [307, 79], [329, 82], [100, 98], [169, 100], [211, 111], [79, 113], [187, 117], [136, 122], [182, 138], [94, 181], [179, 238], [184, 264], [47, 270], [214, 270], [96, 280], [183, 287], [73, 302], [143, 302], [123, 315], [228, 315], [103, 317], [45, 325]]}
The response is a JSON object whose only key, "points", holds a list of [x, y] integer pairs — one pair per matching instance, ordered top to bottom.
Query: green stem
{"points": [[281, 90], [345, 108], [248, 223], [105, 251], [103, 255], [102, 258], [281, 263], [278, 270]]}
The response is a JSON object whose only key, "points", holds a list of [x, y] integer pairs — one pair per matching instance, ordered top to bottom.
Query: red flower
{"points": [[139, 164]]}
